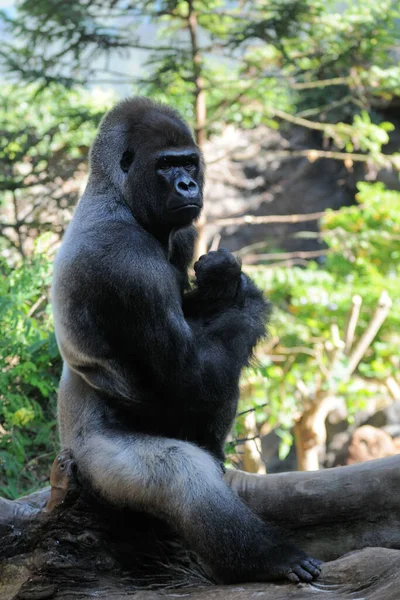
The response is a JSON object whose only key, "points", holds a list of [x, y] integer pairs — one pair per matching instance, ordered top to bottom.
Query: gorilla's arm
{"points": [[223, 294], [198, 352]]}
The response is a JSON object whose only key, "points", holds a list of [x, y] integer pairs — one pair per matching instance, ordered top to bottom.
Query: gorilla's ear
{"points": [[126, 160]]}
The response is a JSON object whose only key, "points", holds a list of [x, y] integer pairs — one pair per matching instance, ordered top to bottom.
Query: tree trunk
{"points": [[200, 109], [200, 113], [310, 434], [250, 451], [80, 547]]}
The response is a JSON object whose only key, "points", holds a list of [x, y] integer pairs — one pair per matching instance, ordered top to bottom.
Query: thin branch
{"points": [[308, 85], [327, 107], [276, 112], [311, 154], [256, 220], [17, 224], [215, 242], [246, 249], [307, 254], [295, 262], [36, 305], [381, 312], [352, 323], [297, 350], [393, 387], [249, 410], [246, 439]]}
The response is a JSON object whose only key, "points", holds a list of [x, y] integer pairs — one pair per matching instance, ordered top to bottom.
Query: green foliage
{"points": [[248, 57], [35, 127], [44, 139], [366, 241], [362, 258], [29, 373]]}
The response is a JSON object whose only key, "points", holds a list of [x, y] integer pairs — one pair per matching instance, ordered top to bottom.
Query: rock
{"points": [[249, 179], [365, 443], [270, 454]]}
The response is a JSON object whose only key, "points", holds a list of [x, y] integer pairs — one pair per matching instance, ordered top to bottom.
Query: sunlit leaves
{"points": [[363, 257]]}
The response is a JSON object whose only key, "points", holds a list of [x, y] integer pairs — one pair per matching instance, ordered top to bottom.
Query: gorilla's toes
{"points": [[312, 565], [306, 570]]}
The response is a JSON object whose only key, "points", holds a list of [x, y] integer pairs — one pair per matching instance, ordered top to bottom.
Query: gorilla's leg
{"points": [[183, 484]]}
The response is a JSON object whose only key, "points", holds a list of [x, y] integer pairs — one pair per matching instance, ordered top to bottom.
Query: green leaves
{"points": [[44, 140], [367, 240], [302, 362], [29, 372]]}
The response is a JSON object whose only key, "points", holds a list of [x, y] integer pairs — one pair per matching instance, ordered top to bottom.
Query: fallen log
{"points": [[72, 545]]}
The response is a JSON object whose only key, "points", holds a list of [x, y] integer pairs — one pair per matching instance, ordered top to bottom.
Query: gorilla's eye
{"points": [[126, 160], [191, 162], [163, 163], [189, 165]]}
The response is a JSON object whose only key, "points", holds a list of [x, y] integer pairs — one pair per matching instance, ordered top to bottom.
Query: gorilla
{"points": [[149, 387]]}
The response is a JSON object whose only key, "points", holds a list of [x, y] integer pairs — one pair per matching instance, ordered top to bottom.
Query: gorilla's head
{"points": [[147, 154]]}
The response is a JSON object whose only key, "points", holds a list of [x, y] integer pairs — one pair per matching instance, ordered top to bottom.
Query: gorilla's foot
{"points": [[62, 479], [295, 565]]}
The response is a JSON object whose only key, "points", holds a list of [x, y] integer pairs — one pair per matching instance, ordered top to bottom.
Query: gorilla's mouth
{"points": [[184, 207], [184, 213]]}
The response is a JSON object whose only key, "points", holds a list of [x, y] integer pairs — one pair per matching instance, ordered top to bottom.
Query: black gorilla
{"points": [[150, 382]]}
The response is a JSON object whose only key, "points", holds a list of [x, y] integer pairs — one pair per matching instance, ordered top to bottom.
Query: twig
{"points": [[307, 85], [327, 107], [312, 155], [258, 220], [17, 224], [215, 242], [246, 249], [287, 255], [296, 262], [36, 305], [381, 312], [352, 323], [337, 342], [271, 344], [333, 349], [297, 350], [393, 387], [303, 389], [249, 410], [246, 439]]}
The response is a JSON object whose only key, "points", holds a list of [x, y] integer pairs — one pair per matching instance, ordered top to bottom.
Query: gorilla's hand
{"points": [[218, 274]]}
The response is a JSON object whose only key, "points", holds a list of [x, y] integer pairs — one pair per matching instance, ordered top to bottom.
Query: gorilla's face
{"points": [[178, 179], [163, 182]]}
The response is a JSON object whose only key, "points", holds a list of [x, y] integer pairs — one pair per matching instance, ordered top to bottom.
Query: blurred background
{"points": [[296, 105]]}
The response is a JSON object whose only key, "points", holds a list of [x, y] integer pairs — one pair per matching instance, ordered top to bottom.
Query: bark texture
{"points": [[74, 546]]}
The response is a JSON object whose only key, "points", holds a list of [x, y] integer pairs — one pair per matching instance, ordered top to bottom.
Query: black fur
{"points": [[150, 384]]}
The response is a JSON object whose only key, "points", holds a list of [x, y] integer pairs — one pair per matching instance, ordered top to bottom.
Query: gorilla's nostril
{"points": [[186, 187]]}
